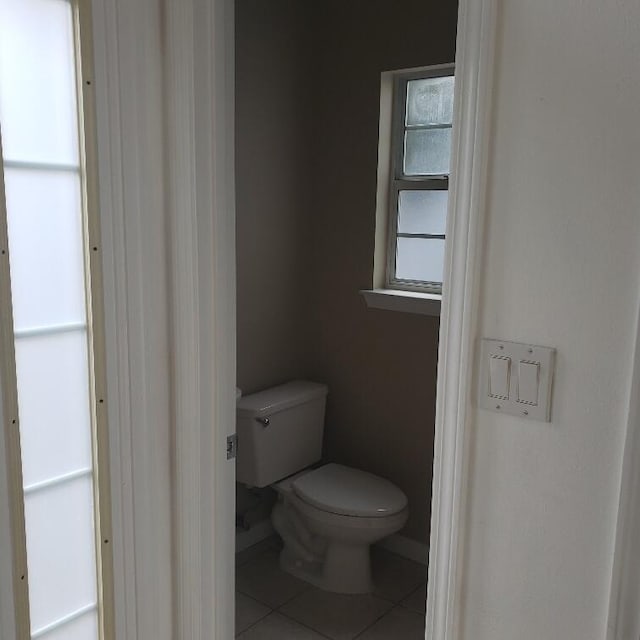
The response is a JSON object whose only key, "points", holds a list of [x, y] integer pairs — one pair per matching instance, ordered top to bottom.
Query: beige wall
{"points": [[320, 102], [273, 192], [561, 268], [380, 365]]}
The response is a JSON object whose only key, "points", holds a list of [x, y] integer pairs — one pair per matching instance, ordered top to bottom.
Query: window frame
{"points": [[398, 181]]}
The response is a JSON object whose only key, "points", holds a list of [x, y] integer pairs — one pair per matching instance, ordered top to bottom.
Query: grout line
{"points": [[268, 546], [307, 586], [305, 590], [246, 595], [375, 595], [402, 602], [384, 615], [253, 624], [302, 624]]}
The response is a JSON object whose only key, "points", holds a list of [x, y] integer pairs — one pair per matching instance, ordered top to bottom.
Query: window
{"points": [[422, 114], [49, 300]]}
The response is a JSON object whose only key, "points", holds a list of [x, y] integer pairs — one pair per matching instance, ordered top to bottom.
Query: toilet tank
{"points": [[279, 431]]}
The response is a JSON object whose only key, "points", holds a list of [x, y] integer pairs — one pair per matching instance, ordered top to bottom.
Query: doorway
{"points": [[307, 120]]}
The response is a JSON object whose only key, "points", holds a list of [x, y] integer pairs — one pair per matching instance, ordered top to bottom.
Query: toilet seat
{"points": [[340, 490]]}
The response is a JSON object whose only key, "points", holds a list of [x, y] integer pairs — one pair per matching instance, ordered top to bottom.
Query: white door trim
{"points": [[127, 49], [474, 79], [199, 84], [201, 200], [624, 605]]}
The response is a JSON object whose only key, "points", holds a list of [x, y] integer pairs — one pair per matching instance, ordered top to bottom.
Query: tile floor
{"points": [[273, 605]]}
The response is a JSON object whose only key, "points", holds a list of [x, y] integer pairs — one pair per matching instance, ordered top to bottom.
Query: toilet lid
{"points": [[345, 491]]}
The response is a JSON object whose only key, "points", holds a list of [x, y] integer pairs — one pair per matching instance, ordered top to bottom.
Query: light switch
{"points": [[499, 373], [516, 378], [528, 382]]}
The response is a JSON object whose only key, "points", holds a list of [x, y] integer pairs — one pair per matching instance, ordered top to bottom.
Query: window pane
{"points": [[37, 76], [430, 101], [37, 102], [426, 152], [422, 211], [45, 240], [419, 259], [53, 395], [60, 551], [80, 629]]}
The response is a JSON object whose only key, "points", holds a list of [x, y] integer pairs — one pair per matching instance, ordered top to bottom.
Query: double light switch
{"points": [[516, 378]]}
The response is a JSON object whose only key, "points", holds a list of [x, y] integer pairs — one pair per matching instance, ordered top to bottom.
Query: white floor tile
{"points": [[394, 577], [263, 580], [417, 601], [248, 612], [338, 616], [398, 624], [277, 627]]}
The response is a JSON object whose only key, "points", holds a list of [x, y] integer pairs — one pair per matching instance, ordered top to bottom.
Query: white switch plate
{"points": [[530, 365]]}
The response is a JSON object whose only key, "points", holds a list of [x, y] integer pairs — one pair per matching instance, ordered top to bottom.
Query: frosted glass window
{"points": [[37, 81], [430, 101], [427, 152], [420, 164], [422, 212], [46, 227], [45, 241], [420, 259], [53, 394], [60, 551], [82, 628]]}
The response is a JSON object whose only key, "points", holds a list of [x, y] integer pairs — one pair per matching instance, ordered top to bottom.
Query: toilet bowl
{"points": [[328, 518]]}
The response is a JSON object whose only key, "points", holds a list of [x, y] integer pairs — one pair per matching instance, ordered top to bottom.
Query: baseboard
{"points": [[257, 533], [407, 548]]}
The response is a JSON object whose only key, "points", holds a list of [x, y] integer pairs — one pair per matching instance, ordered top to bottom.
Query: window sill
{"points": [[427, 304]]}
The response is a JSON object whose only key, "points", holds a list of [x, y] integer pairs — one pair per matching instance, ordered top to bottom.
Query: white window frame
{"points": [[398, 181], [386, 294]]}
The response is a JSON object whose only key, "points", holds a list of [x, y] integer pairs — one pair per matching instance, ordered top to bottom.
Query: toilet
{"points": [[329, 515]]}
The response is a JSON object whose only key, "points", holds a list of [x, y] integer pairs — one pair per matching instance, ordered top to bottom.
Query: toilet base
{"points": [[329, 564], [346, 568]]}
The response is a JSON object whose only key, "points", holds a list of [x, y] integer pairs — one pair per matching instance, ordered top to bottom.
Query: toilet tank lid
{"points": [[278, 398], [350, 492]]}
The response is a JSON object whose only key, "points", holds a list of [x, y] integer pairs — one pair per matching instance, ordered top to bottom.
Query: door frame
{"points": [[475, 54], [128, 63], [200, 83], [199, 101], [199, 126], [198, 178], [624, 603]]}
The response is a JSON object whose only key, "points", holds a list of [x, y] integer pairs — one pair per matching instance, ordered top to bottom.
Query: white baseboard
{"points": [[259, 531], [407, 548]]}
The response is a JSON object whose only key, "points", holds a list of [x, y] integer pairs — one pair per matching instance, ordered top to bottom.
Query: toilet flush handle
{"points": [[265, 422]]}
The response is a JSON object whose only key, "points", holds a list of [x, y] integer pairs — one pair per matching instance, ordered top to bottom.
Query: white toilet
{"points": [[328, 516]]}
